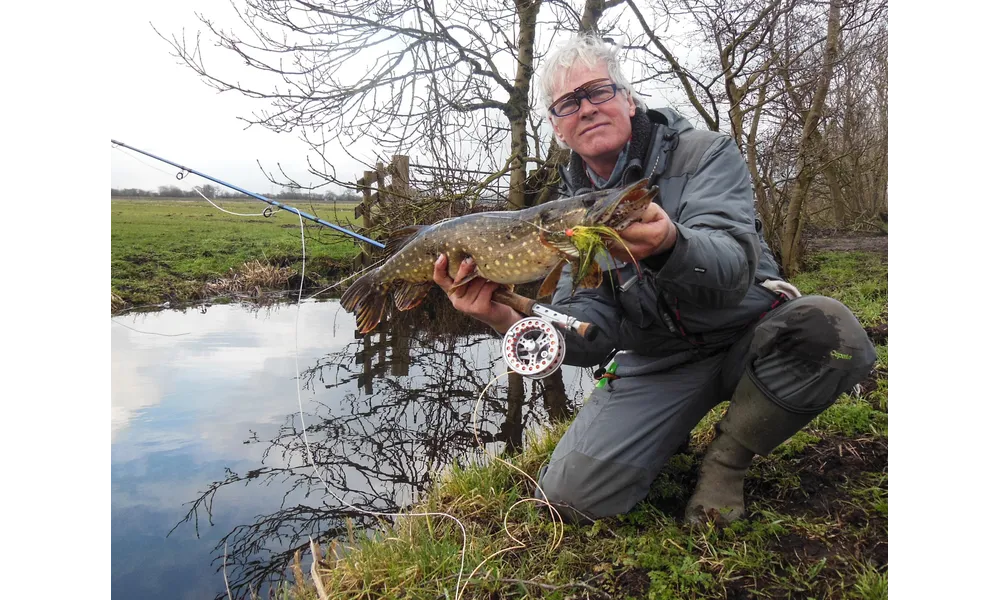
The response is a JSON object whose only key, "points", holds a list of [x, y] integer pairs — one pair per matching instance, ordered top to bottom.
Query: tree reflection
{"points": [[386, 413]]}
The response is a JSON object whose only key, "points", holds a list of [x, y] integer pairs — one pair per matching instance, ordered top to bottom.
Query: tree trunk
{"points": [[518, 107], [805, 162], [760, 187]]}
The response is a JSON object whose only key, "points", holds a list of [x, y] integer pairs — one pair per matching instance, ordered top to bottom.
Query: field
{"points": [[168, 250]]}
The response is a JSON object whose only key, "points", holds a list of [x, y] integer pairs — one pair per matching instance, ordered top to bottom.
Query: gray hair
{"points": [[590, 50]]}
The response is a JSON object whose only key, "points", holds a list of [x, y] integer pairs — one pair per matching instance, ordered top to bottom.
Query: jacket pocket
{"points": [[639, 299]]}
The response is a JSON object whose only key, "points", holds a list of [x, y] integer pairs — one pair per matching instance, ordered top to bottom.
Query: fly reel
{"points": [[534, 348]]}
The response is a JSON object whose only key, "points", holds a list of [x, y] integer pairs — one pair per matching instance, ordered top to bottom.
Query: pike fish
{"points": [[509, 247]]}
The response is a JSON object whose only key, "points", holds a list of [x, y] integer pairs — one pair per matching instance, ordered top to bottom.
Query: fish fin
{"points": [[401, 237], [466, 279], [548, 286], [410, 295], [368, 300]]}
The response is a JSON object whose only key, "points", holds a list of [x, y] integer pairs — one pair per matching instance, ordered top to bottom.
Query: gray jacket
{"points": [[698, 297]]}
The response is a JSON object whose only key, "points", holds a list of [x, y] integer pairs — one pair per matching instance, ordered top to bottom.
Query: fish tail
{"points": [[368, 299]]}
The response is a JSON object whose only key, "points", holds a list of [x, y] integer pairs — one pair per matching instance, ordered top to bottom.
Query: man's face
{"points": [[596, 132]]}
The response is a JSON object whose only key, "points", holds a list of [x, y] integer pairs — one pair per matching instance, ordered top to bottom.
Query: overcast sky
{"points": [[162, 107]]}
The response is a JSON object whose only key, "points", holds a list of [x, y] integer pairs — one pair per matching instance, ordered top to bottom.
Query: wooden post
{"points": [[363, 211], [365, 358]]}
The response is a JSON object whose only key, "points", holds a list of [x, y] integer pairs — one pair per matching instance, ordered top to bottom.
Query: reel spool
{"points": [[534, 348]]}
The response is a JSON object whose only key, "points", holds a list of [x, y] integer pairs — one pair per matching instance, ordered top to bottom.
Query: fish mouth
{"points": [[621, 209]]}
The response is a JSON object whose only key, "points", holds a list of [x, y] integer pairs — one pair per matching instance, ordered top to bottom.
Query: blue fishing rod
{"points": [[274, 203]]}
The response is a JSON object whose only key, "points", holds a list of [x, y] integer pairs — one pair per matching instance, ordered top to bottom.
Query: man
{"points": [[709, 320]]}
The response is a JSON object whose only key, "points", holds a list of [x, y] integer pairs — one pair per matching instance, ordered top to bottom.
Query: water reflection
{"points": [[383, 414]]}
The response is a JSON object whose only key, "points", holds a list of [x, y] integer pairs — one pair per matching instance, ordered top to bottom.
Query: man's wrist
{"points": [[670, 240], [659, 258]]}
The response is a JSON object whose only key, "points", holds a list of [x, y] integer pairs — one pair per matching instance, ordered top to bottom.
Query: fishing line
{"points": [[137, 159], [185, 171], [263, 213], [516, 218], [351, 276], [149, 332], [475, 432], [312, 459], [557, 520], [225, 577]]}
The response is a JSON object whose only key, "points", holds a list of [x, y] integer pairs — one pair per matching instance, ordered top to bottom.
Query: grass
{"points": [[170, 249], [858, 279], [817, 526]]}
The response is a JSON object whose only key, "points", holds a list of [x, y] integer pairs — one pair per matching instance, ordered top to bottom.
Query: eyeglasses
{"points": [[570, 103]]}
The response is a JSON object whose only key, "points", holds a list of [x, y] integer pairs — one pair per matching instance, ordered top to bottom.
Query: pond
{"points": [[208, 463]]}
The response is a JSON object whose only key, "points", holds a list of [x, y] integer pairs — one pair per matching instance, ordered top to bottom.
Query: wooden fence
{"points": [[376, 192]]}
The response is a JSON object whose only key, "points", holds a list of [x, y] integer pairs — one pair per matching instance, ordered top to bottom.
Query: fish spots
{"points": [[510, 256]]}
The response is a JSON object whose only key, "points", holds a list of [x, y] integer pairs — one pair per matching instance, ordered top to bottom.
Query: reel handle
{"points": [[527, 306]]}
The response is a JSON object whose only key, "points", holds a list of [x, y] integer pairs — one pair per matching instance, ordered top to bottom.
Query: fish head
{"points": [[618, 208]]}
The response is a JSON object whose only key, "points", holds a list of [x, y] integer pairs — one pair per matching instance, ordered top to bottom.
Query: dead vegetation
{"points": [[251, 279]]}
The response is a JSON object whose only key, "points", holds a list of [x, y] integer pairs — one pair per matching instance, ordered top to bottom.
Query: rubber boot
{"points": [[752, 425]]}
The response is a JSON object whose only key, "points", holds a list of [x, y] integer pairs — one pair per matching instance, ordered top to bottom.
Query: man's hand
{"points": [[652, 234], [475, 297]]}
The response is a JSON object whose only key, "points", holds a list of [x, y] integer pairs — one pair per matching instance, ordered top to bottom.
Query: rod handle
{"points": [[516, 301], [527, 306]]}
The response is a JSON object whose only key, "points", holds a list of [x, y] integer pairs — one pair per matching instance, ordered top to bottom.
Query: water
{"points": [[204, 406]]}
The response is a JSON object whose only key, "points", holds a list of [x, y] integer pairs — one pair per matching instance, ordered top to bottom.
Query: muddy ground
{"points": [[840, 241]]}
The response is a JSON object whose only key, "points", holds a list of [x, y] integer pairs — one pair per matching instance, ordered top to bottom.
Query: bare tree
{"points": [[407, 74], [785, 78], [730, 79], [856, 136]]}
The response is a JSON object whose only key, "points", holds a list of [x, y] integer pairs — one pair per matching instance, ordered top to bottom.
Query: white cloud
{"points": [[223, 361]]}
